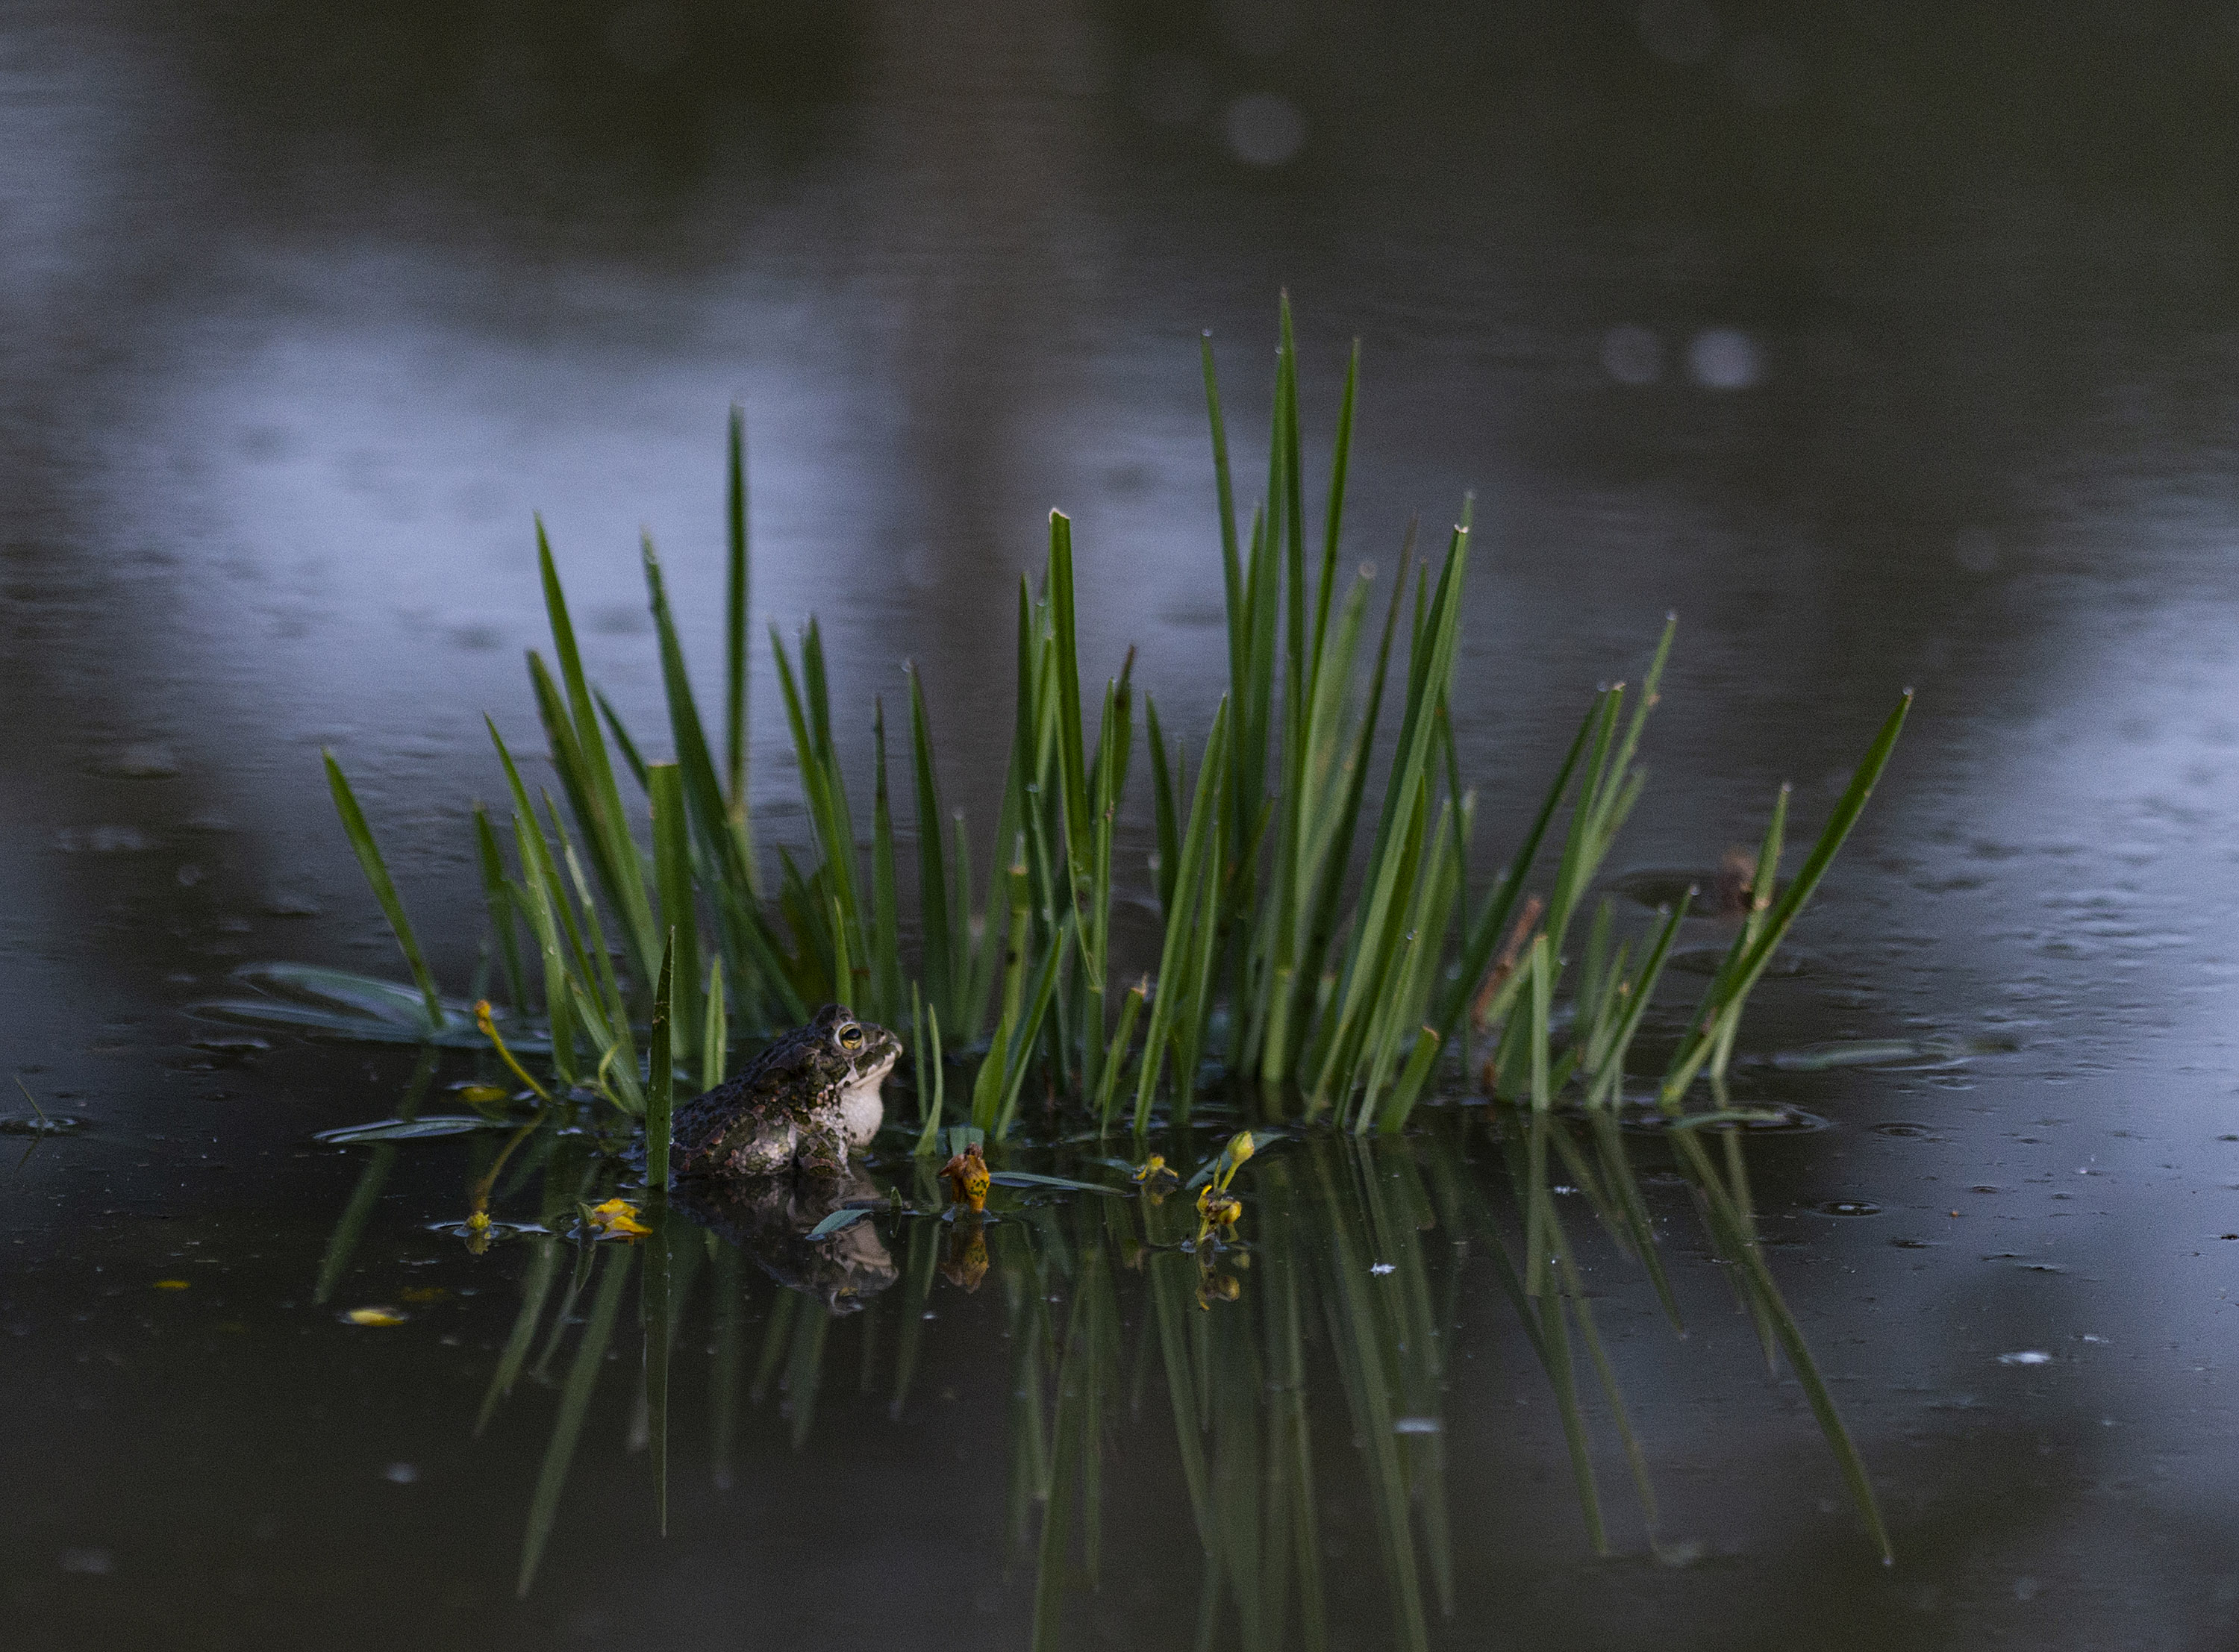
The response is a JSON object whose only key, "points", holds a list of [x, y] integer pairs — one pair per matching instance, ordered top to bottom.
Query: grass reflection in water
{"points": [[1337, 951], [1345, 1278]]}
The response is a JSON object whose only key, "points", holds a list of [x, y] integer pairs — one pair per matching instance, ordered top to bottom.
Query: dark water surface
{"points": [[1889, 344]]}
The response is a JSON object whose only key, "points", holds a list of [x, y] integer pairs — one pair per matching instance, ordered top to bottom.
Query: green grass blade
{"points": [[1224, 493], [1333, 522], [737, 570], [1072, 746], [632, 759], [1164, 820], [606, 828], [723, 833], [1196, 863], [672, 866], [384, 887], [497, 895], [886, 898], [942, 962], [1731, 995], [1028, 1033], [715, 1036], [925, 1051], [1115, 1058], [661, 1081], [1757, 1277], [535, 1290], [656, 1291], [574, 1401]]}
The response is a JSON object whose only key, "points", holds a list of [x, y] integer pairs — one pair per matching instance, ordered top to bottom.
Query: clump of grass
{"points": [[1321, 932]]}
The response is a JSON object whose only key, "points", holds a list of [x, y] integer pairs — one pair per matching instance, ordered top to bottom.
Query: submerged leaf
{"points": [[310, 999], [1028, 1178], [846, 1216]]}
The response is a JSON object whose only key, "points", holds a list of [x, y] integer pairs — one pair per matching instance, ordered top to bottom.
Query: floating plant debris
{"points": [[1869, 1052], [1750, 1121], [52, 1125], [428, 1128], [1847, 1207], [488, 1232]]}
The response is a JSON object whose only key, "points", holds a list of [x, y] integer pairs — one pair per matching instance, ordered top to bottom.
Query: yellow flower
{"points": [[488, 1023], [480, 1094], [1232, 1158], [968, 1179], [1155, 1179], [1216, 1210], [616, 1220], [478, 1222], [967, 1261], [1213, 1287], [373, 1316]]}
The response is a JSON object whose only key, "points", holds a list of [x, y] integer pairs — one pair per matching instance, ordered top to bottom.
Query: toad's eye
{"points": [[848, 1035]]}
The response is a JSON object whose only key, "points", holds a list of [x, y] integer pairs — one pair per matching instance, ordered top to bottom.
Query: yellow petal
{"points": [[480, 1093], [617, 1219], [170, 1285], [375, 1316]]}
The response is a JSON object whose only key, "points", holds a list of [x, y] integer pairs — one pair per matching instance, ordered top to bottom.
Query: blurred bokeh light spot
{"points": [[1679, 32], [1169, 90], [1264, 130], [1632, 355], [1724, 358]]}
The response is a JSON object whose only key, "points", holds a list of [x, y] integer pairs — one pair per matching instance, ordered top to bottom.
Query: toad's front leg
{"points": [[752, 1147], [822, 1151]]}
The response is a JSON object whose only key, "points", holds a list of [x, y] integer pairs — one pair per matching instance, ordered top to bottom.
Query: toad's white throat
{"points": [[862, 1109]]}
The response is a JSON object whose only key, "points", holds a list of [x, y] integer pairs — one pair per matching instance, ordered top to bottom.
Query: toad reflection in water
{"points": [[770, 1219]]}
